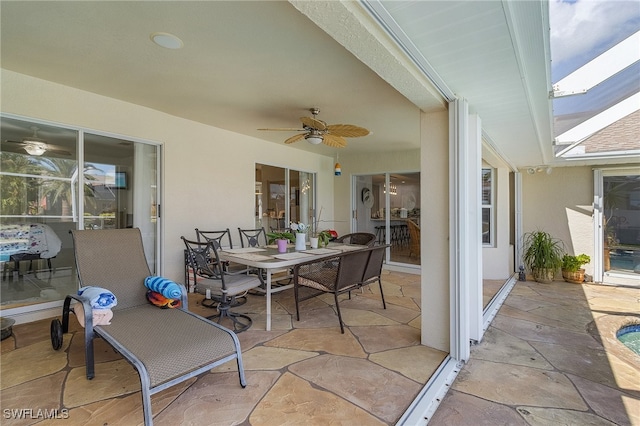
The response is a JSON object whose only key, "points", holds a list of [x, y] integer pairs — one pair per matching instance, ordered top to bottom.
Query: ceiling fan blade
{"points": [[313, 123], [285, 129], [347, 130], [295, 138], [334, 141], [52, 149], [59, 152]]}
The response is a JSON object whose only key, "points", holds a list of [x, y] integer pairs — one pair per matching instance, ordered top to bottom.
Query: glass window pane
{"points": [[38, 163], [486, 186], [283, 196], [622, 223], [486, 225]]}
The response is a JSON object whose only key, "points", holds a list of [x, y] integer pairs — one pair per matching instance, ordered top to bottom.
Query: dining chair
{"points": [[253, 237], [258, 238], [359, 238], [414, 238], [221, 240], [344, 273], [214, 281]]}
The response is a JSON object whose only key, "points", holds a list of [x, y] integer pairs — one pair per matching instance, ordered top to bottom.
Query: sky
{"points": [[582, 29]]}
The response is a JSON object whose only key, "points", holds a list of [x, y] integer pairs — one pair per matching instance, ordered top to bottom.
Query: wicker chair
{"points": [[360, 238], [414, 238], [338, 275], [166, 346]]}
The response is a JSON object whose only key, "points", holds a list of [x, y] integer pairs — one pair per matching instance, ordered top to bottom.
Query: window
{"points": [[47, 185], [283, 196], [487, 207]]}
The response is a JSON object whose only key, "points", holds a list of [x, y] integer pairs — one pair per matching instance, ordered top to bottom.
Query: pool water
{"points": [[630, 337]]}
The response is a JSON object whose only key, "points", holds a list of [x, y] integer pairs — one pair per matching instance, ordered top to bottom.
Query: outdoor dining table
{"points": [[271, 260]]}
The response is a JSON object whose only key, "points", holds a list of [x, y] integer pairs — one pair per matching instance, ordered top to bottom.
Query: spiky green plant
{"points": [[542, 251]]}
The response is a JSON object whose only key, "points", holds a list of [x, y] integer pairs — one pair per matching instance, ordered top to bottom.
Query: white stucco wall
{"points": [[210, 185], [561, 203], [434, 218]]}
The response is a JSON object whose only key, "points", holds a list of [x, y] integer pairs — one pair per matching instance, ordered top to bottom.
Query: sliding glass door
{"points": [[55, 179], [283, 196], [388, 205], [621, 225]]}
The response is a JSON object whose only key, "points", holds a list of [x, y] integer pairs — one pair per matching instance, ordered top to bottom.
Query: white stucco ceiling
{"points": [[249, 65]]}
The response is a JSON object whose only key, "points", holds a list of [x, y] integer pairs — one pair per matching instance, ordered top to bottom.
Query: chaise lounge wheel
{"points": [[56, 334]]}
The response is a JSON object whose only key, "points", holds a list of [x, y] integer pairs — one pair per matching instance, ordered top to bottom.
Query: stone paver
{"points": [[552, 357], [549, 358], [327, 372], [518, 385], [307, 405], [458, 408]]}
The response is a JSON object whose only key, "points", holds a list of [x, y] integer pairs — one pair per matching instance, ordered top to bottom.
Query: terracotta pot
{"points": [[576, 277]]}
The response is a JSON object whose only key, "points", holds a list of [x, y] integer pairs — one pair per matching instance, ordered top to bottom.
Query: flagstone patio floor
{"points": [[548, 358]]}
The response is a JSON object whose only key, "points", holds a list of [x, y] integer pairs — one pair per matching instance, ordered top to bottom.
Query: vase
{"points": [[301, 242], [314, 242], [282, 245]]}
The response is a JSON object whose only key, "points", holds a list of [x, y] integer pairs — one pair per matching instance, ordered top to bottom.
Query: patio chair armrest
{"points": [[184, 297], [86, 306]]}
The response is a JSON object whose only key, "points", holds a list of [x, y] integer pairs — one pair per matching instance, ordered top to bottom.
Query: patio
{"points": [[538, 362]]}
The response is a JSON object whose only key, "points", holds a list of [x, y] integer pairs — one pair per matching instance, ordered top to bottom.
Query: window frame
{"points": [[490, 206]]}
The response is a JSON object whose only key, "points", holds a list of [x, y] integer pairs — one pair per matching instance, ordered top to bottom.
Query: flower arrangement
{"points": [[299, 227]]}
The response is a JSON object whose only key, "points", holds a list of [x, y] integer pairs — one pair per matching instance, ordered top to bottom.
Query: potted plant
{"points": [[274, 236], [323, 238], [281, 239], [542, 255], [572, 271]]}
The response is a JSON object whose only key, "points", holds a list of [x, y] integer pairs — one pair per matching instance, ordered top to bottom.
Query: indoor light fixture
{"points": [[167, 40], [314, 139], [35, 148], [393, 190]]}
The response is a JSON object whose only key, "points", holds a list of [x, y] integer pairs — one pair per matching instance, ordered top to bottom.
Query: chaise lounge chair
{"points": [[166, 346]]}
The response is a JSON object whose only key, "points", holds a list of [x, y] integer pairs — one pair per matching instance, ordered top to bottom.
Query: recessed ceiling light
{"points": [[167, 40]]}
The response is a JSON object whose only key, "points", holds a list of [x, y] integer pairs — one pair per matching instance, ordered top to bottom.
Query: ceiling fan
{"points": [[316, 131], [33, 145]]}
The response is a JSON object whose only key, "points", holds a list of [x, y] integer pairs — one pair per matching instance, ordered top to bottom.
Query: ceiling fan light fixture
{"points": [[314, 139], [34, 148]]}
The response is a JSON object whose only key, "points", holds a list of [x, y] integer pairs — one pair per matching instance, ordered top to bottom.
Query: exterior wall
{"points": [[208, 173], [561, 203], [434, 218]]}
